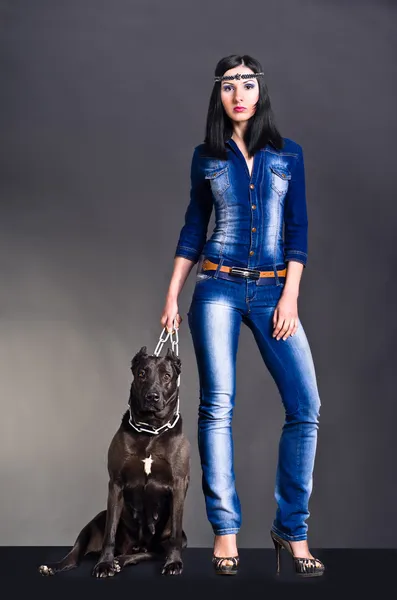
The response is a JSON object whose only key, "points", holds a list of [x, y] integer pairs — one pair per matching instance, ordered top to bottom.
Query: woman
{"points": [[248, 273]]}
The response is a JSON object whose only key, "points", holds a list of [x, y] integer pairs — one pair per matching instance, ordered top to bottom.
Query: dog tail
{"points": [[134, 559]]}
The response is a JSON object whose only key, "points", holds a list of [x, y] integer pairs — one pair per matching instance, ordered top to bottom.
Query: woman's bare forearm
{"points": [[182, 268], [292, 281]]}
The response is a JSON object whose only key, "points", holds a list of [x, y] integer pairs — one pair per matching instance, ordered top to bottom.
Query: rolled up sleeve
{"points": [[295, 215], [193, 234]]}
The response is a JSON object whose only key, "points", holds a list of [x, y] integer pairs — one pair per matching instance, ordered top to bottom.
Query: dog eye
{"points": [[141, 372], [167, 375]]}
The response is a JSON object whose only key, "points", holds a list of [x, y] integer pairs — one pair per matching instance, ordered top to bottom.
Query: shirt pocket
{"points": [[280, 177], [219, 180]]}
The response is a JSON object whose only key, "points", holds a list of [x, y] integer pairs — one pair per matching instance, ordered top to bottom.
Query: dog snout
{"points": [[153, 396]]}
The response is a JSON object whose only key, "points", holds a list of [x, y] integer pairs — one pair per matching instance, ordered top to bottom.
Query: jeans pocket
{"points": [[203, 277]]}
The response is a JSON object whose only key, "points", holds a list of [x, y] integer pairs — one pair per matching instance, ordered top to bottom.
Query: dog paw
{"points": [[174, 567], [106, 568], [46, 570]]}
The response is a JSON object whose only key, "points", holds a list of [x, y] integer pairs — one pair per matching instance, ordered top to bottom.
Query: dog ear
{"points": [[138, 356], [175, 360]]}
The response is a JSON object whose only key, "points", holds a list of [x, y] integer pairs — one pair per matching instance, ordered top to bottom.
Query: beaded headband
{"points": [[238, 76]]}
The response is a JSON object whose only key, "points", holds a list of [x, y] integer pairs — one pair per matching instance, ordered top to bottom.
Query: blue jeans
{"points": [[217, 309]]}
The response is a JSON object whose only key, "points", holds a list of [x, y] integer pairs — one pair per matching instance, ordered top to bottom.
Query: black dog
{"points": [[149, 477]]}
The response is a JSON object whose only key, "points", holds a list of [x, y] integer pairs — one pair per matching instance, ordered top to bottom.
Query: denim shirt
{"points": [[251, 212]]}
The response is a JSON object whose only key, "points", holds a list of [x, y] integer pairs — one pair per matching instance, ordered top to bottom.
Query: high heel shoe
{"points": [[305, 567], [222, 569]]}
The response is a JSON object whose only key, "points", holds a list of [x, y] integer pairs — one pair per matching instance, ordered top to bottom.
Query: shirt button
{"points": [[252, 186], [254, 206], [254, 229], [251, 253]]}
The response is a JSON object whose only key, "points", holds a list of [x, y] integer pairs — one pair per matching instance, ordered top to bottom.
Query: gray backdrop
{"points": [[101, 106]]}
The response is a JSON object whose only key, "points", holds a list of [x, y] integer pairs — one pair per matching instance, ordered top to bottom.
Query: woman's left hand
{"points": [[285, 317]]}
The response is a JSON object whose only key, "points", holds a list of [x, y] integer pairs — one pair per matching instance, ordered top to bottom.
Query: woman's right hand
{"points": [[170, 313]]}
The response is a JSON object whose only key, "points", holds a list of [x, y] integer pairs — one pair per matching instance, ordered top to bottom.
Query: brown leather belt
{"points": [[241, 271]]}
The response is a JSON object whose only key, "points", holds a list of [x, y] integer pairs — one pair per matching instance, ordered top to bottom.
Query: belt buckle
{"points": [[240, 271]]}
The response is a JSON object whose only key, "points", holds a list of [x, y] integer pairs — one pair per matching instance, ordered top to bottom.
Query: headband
{"points": [[238, 76]]}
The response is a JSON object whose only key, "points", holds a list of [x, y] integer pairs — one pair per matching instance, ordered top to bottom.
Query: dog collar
{"points": [[142, 426]]}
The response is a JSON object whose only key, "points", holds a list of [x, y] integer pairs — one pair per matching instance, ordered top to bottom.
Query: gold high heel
{"points": [[305, 567]]}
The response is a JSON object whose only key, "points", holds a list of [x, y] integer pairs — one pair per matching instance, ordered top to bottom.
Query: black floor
{"points": [[348, 574]]}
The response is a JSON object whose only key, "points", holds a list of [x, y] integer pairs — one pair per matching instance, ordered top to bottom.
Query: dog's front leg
{"points": [[173, 564], [107, 566]]}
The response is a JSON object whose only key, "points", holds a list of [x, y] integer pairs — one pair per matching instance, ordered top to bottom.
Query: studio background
{"points": [[101, 106]]}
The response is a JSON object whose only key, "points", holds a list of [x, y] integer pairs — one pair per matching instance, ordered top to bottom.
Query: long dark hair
{"points": [[261, 128]]}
